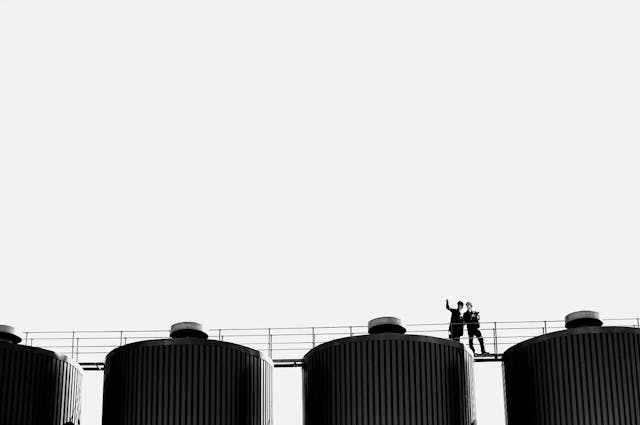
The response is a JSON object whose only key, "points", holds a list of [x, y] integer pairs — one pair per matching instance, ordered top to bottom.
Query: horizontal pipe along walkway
{"points": [[287, 346]]}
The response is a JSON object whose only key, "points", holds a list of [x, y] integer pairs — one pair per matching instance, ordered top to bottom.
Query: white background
{"points": [[299, 163]]}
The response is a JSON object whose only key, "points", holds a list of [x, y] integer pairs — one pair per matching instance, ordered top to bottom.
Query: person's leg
{"points": [[456, 334], [470, 334], [481, 341]]}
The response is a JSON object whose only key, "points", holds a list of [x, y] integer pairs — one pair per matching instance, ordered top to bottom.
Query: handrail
{"points": [[287, 345]]}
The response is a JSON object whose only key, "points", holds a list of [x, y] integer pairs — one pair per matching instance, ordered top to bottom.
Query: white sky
{"points": [[296, 163]]}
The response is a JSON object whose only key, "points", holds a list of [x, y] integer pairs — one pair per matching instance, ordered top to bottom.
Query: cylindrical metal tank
{"points": [[585, 375], [389, 378], [187, 380], [37, 386]]}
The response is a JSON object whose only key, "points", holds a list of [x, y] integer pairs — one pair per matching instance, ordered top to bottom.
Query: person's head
{"points": [[460, 305], [469, 306]]}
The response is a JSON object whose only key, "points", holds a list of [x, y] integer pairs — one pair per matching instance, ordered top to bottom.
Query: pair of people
{"points": [[471, 318]]}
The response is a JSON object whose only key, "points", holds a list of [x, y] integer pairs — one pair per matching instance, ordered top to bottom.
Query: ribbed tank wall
{"points": [[582, 376], [389, 379], [188, 382], [38, 387]]}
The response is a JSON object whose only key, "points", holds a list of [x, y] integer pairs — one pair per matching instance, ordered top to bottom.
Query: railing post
{"points": [[638, 322], [350, 330], [544, 331], [219, 334], [313, 337], [73, 338], [121, 338], [495, 338], [270, 344], [77, 348]]}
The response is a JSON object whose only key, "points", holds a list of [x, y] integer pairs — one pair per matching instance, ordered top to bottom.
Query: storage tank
{"points": [[585, 375], [389, 378], [187, 380], [37, 386]]}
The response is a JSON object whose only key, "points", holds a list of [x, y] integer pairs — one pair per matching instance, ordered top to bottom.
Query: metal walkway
{"points": [[287, 346]]}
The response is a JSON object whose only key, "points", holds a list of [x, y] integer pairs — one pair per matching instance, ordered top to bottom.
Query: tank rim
{"points": [[572, 331], [388, 337], [188, 341], [43, 351]]}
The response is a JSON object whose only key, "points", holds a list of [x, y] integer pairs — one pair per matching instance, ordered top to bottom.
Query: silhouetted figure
{"points": [[472, 319], [456, 325]]}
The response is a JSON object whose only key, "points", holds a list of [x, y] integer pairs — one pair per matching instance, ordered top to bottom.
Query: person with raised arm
{"points": [[456, 324]]}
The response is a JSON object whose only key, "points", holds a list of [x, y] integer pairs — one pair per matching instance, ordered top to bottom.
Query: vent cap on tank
{"points": [[582, 318], [386, 324], [188, 330], [9, 334]]}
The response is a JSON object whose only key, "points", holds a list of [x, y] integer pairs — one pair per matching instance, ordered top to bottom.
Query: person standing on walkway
{"points": [[472, 320], [456, 325]]}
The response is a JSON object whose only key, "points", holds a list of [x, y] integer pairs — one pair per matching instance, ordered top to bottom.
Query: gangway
{"points": [[287, 345]]}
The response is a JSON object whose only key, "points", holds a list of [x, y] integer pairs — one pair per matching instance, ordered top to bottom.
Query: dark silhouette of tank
{"points": [[585, 375], [388, 378], [187, 380], [37, 386]]}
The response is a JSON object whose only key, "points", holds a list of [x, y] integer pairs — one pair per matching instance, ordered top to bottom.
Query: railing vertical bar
{"points": [[313, 337], [495, 338]]}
